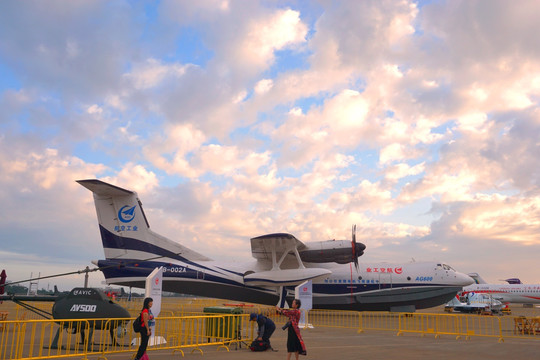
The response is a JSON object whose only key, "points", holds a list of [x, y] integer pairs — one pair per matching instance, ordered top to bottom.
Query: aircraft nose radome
{"points": [[466, 280]]}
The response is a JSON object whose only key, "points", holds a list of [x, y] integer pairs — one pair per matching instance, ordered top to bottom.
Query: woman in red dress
{"points": [[295, 344]]}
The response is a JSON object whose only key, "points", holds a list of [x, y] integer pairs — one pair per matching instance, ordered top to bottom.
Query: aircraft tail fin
{"points": [[125, 231], [477, 278], [513, 281], [454, 302]]}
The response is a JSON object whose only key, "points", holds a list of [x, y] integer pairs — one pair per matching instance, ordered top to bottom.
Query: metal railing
{"points": [[451, 324], [43, 339]]}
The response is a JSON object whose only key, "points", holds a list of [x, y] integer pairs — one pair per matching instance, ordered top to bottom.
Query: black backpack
{"points": [[137, 324], [258, 345]]}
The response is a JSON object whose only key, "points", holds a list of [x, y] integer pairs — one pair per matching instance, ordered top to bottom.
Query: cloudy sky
{"points": [[417, 121]]}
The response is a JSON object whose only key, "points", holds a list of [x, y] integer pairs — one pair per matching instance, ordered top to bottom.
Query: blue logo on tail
{"points": [[126, 215]]}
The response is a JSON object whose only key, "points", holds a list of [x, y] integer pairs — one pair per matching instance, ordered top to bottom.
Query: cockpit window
{"points": [[445, 267]]}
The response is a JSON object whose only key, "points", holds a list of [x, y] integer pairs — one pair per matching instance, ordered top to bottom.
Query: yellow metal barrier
{"points": [[334, 318], [379, 320], [451, 324], [458, 325], [481, 325], [521, 326], [37, 339], [43, 339]]}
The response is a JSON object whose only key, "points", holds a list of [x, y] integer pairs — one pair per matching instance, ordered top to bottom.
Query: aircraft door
{"points": [[200, 275], [385, 280]]}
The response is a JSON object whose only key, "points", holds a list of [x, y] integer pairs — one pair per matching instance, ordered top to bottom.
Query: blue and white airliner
{"points": [[281, 262]]}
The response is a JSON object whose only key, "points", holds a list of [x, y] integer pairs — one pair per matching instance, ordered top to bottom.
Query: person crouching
{"points": [[266, 327]]}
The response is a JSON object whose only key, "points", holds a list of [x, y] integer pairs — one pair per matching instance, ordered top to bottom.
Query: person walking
{"points": [[147, 320], [266, 327], [295, 343]]}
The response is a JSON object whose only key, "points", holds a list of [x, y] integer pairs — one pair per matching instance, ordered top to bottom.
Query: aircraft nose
{"points": [[465, 279]]}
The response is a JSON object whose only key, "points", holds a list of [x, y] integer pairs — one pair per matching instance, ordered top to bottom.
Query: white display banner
{"points": [[153, 289], [304, 293]]}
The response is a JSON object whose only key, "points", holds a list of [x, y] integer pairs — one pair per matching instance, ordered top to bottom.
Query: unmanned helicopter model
{"points": [[80, 303]]}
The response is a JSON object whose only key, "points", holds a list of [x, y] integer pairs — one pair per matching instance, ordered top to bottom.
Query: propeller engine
{"points": [[338, 251]]}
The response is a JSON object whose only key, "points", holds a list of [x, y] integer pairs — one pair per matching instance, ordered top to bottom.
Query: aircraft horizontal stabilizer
{"points": [[104, 189], [288, 277]]}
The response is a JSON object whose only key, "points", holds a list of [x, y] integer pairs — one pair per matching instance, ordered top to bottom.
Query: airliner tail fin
{"points": [[477, 278]]}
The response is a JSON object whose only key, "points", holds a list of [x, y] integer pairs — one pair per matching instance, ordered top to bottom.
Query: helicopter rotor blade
{"points": [[87, 270]]}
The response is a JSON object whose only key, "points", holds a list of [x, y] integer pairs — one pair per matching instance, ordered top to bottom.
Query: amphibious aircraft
{"points": [[281, 262], [516, 293]]}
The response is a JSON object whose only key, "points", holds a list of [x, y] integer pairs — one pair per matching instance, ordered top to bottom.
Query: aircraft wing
{"points": [[263, 246], [274, 248]]}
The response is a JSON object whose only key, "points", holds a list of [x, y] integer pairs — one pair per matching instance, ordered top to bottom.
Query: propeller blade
{"points": [[355, 256]]}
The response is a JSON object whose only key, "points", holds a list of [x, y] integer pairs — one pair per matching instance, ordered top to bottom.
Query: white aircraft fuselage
{"points": [[509, 293]]}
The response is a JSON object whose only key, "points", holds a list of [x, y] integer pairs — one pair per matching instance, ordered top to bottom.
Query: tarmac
{"points": [[347, 344]]}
